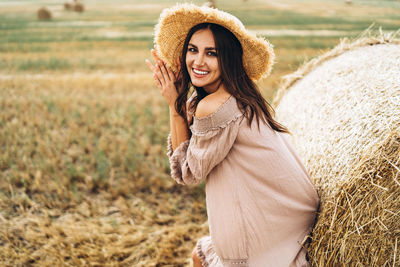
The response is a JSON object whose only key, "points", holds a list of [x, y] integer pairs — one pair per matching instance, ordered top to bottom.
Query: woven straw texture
{"points": [[175, 23], [343, 109]]}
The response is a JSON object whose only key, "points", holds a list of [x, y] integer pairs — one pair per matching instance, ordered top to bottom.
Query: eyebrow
{"points": [[207, 48]]}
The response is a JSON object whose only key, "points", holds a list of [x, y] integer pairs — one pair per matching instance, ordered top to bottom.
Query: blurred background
{"points": [[84, 176]]}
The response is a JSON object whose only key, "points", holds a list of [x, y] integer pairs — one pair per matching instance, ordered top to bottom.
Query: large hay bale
{"points": [[43, 14], [343, 109]]}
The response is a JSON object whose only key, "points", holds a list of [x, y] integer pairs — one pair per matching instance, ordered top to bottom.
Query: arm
{"points": [[165, 80], [178, 127], [211, 140], [193, 158]]}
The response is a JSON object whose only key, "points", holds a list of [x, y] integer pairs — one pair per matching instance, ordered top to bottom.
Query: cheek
{"points": [[188, 60], [215, 65]]}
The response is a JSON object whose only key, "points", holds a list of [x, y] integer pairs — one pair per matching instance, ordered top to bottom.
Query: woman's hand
{"points": [[165, 79]]}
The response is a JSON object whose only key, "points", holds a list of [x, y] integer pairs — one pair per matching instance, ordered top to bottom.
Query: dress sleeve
{"points": [[212, 139]]}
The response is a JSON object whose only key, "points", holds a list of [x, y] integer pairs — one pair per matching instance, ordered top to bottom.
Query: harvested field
{"points": [[84, 178]]}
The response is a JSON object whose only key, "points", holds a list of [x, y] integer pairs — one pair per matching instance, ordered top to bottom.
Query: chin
{"points": [[198, 83], [203, 84]]}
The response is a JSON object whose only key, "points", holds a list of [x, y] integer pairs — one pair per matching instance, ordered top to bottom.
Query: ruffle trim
{"points": [[219, 119], [214, 128], [176, 159], [206, 252], [201, 255]]}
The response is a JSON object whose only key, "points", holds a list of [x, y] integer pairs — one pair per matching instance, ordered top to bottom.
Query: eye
{"points": [[192, 49], [212, 53]]}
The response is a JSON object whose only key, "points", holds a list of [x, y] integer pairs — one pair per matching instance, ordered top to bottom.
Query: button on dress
{"points": [[261, 203]]}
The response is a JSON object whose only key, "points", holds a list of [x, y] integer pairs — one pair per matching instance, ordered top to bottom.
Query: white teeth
{"points": [[200, 72]]}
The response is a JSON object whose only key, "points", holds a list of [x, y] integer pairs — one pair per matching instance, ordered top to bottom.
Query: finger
{"points": [[155, 56], [178, 63], [151, 67], [164, 70], [159, 74], [171, 74], [155, 75], [158, 82]]}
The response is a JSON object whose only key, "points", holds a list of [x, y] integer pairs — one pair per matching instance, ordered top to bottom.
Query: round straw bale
{"points": [[68, 6], [78, 7], [43, 14], [343, 110]]}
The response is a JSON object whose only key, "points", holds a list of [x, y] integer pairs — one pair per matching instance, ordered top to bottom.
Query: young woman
{"points": [[261, 204]]}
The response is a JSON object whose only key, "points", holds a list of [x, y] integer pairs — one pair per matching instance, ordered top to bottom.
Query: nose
{"points": [[199, 60]]}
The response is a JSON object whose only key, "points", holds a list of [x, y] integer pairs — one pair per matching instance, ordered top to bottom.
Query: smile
{"points": [[200, 72]]}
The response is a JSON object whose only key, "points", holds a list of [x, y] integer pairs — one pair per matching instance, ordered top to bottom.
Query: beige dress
{"points": [[261, 204]]}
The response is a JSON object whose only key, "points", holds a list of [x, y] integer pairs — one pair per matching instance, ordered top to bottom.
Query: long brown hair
{"points": [[233, 75]]}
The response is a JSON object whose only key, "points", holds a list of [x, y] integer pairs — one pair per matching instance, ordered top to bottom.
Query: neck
{"points": [[212, 88]]}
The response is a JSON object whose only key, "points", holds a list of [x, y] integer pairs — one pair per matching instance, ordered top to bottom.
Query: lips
{"points": [[200, 73]]}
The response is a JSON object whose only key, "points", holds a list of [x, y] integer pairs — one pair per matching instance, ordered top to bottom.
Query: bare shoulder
{"points": [[210, 104]]}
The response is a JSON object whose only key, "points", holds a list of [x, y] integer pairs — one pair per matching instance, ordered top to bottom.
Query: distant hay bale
{"points": [[210, 3], [68, 6], [78, 7], [43, 14], [343, 109]]}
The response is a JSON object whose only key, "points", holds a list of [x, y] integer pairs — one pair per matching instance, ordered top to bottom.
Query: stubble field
{"points": [[84, 176]]}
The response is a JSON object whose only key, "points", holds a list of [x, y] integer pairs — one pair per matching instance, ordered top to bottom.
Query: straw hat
{"points": [[175, 23]]}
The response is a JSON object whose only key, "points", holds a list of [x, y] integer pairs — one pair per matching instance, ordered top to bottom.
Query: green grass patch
{"points": [[282, 18], [289, 19], [13, 22], [37, 37], [148, 39], [304, 42], [23, 48], [43, 64]]}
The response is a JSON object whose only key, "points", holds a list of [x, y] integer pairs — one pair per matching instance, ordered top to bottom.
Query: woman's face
{"points": [[202, 61]]}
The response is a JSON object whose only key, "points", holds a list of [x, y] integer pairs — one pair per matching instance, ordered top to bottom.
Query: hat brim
{"points": [[175, 23]]}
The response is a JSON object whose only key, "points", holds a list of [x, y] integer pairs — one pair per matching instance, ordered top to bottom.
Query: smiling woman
{"points": [[261, 203]]}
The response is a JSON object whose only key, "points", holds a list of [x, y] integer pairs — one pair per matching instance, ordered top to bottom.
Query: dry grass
{"points": [[344, 111], [84, 176]]}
